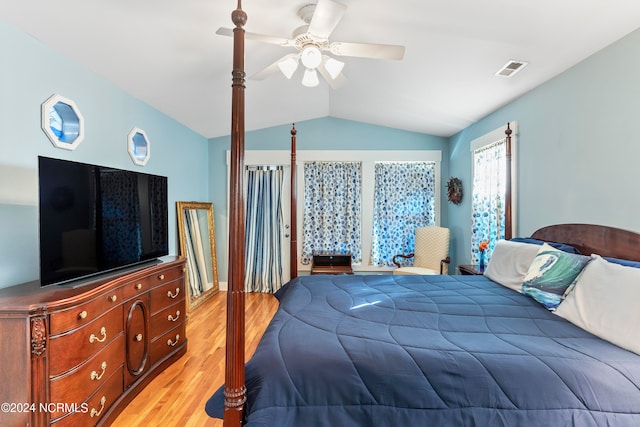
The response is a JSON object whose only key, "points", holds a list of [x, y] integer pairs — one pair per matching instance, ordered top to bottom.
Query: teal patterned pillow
{"points": [[550, 274]]}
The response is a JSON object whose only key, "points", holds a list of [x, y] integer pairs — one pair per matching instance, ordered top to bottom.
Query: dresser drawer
{"points": [[167, 275], [143, 284], [137, 287], [166, 295], [82, 314], [168, 318], [138, 342], [167, 343], [71, 349], [78, 384], [96, 406]]}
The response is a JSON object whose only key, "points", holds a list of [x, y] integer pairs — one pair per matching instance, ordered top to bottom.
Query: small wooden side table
{"points": [[471, 269]]}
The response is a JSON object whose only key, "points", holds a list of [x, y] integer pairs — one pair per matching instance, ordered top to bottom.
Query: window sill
{"points": [[357, 269]]}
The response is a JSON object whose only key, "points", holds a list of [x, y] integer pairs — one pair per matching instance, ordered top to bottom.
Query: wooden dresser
{"points": [[75, 356]]}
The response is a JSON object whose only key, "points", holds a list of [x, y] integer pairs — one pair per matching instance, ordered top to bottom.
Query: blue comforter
{"points": [[430, 351]]}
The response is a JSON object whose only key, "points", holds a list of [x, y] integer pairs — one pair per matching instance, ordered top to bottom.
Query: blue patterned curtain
{"points": [[488, 197], [404, 200], [331, 222], [263, 238]]}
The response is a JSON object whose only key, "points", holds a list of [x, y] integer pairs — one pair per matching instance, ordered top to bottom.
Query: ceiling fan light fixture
{"points": [[311, 40], [311, 56], [288, 67], [333, 67], [310, 78]]}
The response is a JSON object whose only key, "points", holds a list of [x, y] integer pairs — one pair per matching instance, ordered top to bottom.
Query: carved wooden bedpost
{"points": [[508, 226], [293, 252], [235, 391]]}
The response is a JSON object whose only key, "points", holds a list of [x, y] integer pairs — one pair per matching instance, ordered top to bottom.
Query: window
{"points": [[366, 159], [489, 164], [404, 199], [332, 209]]}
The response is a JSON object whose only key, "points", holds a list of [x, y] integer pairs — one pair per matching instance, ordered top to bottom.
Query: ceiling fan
{"points": [[311, 40]]}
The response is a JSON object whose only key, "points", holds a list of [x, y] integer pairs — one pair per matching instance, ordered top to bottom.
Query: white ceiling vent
{"points": [[511, 67]]}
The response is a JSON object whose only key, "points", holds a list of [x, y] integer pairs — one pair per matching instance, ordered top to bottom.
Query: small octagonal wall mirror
{"points": [[62, 122], [138, 146]]}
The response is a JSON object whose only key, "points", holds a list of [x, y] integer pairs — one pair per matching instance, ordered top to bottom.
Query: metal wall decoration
{"points": [[454, 191]]}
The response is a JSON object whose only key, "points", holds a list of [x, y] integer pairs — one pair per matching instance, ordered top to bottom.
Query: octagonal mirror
{"points": [[62, 122], [138, 146]]}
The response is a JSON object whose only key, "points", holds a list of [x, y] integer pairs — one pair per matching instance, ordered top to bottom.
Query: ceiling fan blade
{"points": [[325, 18], [258, 37], [367, 50], [271, 69], [266, 72], [336, 83]]}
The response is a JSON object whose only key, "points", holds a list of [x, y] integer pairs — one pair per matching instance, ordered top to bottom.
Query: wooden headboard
{"points": [[594, 239]]}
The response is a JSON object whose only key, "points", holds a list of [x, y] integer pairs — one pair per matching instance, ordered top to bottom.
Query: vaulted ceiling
{"points": [[167, 53]]}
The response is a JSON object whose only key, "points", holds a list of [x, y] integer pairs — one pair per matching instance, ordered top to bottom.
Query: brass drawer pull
{"points": [[161, 277], [139, 286], [173, 296], [113, 298], [83, 314], [173, 319], [103, 332], [139, 337], [173, 343], [95, 376], [95, 412]]}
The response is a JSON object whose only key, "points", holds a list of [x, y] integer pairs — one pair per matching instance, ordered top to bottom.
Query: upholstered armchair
{"points": [[431, 253]]}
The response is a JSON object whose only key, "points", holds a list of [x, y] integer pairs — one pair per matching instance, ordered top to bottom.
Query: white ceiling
{"points": [[166, 53]]}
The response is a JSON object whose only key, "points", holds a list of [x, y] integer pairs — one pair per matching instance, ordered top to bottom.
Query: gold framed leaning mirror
{"points": [[198, 244]]}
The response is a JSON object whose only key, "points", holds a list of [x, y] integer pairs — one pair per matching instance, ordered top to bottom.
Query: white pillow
{"points": [[510, 263], [604, 302]]}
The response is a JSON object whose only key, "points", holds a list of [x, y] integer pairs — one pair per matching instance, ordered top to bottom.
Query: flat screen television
{"points": [[96, 219]]}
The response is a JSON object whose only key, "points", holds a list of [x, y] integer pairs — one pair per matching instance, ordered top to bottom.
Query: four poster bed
{"points": [[431, 350]]}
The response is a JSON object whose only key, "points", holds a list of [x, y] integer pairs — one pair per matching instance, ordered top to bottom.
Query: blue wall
{"points": [[29, 74], [319, 134], [578, 147], [577, 153]]}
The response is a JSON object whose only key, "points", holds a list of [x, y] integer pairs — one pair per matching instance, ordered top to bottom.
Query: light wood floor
{"points": [[177, 396]]}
